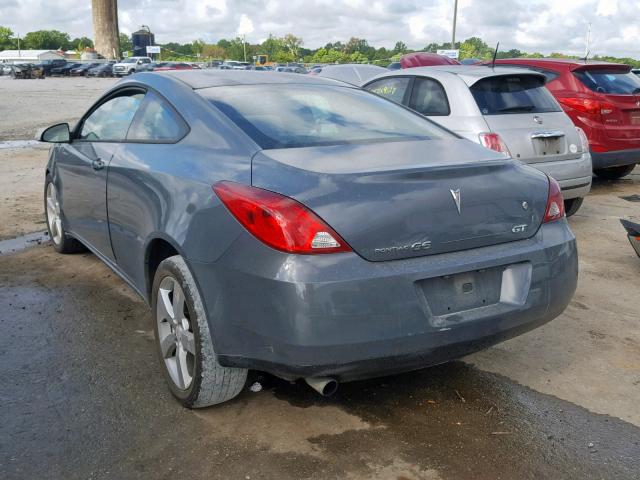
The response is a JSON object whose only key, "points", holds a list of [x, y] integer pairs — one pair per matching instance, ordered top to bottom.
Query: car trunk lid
{"points": [[618, 92], [527, 118], [400, 199]]}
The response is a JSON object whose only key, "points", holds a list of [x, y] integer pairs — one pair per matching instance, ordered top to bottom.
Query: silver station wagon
{"points": [[504, 109]]}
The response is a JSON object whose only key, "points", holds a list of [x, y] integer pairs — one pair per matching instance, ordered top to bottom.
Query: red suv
{"points": [[601, 98]]}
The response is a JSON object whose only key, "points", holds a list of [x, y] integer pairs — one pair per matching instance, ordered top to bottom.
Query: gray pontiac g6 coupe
{"points": [[304, 227]]}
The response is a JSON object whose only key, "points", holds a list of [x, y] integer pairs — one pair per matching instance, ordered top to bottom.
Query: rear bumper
{"points": [[616, 158], [574, 176], [342, 316]]}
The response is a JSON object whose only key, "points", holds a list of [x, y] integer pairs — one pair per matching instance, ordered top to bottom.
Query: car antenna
{"points": [[587, 49], [495, 54]]}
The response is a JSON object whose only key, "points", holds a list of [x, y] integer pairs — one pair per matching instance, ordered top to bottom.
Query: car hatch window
{"points": [[609, 81], [393, 89], [512, 94], [429, 98], [110, 121], [157, 121]]}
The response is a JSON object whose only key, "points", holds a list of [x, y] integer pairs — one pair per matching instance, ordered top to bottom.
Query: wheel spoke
{"points": [[51, 207], [58, 223], [178, 302], [165, 309], [187, 341], [167, 345], [181, 367]]}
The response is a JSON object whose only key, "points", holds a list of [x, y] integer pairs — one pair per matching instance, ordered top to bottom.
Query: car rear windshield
{"points": [[618, 82], [513, 94], [294, 115]]}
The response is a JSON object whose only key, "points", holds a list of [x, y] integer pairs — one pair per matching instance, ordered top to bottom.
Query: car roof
{"points": [[470, 74], [197, 79]]}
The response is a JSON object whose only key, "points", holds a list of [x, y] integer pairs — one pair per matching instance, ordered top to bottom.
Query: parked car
{"points": [[425, 59], [48, 65], [130, 65], [173, 66], [6, 68], [65, 70], [82, 70], [101, 70], [27, 71], [636, 71], [353, 73], [601, 98], [507, 110], [318, 231]]}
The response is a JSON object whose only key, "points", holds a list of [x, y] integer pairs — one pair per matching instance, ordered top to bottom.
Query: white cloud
{"points": [[535, 25]]}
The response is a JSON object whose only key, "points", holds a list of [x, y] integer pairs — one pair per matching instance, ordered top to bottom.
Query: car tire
{"points": [[132, 71], [614, 173], [572, 206], [61, 241], [184, 343]]}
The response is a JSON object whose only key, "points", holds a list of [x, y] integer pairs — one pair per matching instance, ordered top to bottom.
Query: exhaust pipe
{"points": [[325, 386]]}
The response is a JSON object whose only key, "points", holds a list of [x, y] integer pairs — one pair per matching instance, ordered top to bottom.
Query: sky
{"points": [[532, 25]]}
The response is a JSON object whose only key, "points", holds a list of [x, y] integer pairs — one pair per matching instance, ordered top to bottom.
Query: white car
{"points": [[129, 65]]}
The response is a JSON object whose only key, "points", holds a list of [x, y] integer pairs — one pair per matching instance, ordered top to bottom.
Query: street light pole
{"points": [[455, 17]]}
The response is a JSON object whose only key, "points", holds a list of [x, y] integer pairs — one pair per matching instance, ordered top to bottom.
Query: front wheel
{"points": [[614, 173], [572, 206], [62, 242], [184, 341]]}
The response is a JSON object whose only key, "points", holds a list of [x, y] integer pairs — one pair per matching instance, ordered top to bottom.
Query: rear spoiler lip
{"points": [[602, 66]]}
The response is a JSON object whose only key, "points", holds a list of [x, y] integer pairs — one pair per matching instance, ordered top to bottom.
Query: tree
{"points": [[6, 38], [47, 40], [81, 43], [125, 43], [293, 44], [356, 45], [197, 46], [271, 46], [400, 47], [475, 47], [213, 51]]}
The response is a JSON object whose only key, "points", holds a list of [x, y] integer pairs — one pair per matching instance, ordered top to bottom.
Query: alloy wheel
{"points": [[53, 214], [175, 334]]}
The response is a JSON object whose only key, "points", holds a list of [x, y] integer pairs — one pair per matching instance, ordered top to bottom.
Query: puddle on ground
{"points": [[8, 144], [17, 244]]}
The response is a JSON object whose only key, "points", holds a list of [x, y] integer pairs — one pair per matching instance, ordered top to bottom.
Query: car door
{"points": [[81, 167], [138, 197]]}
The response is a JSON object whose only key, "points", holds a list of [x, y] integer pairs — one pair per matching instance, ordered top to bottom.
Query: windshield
{"points": [[129, 60], [610, 81], [513, 94], [293, 115]]}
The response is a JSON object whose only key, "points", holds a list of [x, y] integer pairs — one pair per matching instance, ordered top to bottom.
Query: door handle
{"points": [[97, 164]]}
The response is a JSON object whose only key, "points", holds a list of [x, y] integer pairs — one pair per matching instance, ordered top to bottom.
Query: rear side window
{"points": [[609, 81], [393, 89], [513, 94], [429, 98], [294, 115], [110, 121], [157, 121]]}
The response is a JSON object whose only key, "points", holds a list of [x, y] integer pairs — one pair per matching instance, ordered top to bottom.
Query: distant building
{"points": [[28, 56]]}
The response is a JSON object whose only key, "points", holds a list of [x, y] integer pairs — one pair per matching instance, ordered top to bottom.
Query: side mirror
{"points": [[139, 62], [56, 134]]}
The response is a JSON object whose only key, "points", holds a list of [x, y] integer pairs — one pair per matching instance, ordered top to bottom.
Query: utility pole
{"points": [[455, 18], [244, 46], [587, 47]]}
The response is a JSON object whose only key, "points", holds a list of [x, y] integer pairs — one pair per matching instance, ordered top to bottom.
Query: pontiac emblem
{"points": [[537, 119], [456, 198]]}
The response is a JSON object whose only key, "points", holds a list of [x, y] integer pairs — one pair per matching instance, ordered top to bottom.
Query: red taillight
{"points": [[588, 105], [494, 142], [555, 202], [278, 221]]}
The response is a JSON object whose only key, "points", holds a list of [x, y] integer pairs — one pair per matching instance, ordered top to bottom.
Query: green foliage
{"points": [[6, 38], [47, 40], [125, 43]]}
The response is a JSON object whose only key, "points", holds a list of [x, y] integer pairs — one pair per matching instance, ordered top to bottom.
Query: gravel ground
{"points": [[28, 105], [83, 395]]}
